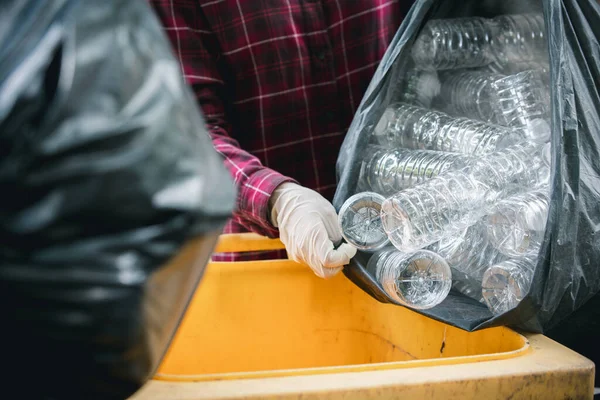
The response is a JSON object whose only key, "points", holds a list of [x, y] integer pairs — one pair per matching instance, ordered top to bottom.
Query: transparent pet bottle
{"points": [[519, 38], [454, 43], [515, 67], [540, 68], [542, 73], [418, 87], [468, 94], [519, 103], [411, 127], [547, 154], [387, 171], [420, 216], [360, 222], [517, 225], [469, 252], [418, 280], [505, 284], [467, 285]]}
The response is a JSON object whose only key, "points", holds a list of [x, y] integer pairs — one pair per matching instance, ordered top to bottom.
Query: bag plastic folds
{"points": [[112, 196], [568, 271]]}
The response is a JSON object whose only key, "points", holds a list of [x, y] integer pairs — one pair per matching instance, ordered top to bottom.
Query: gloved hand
{"points": [[308, 227]]}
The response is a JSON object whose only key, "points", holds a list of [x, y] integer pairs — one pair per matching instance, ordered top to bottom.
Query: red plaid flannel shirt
{"points": [[278, 82]]}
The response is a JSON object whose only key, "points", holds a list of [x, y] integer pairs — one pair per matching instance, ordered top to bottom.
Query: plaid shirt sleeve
{"points": [[198, 53]]}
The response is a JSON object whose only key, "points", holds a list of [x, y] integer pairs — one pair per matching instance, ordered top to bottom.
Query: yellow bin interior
{"points": [[276, 318]]}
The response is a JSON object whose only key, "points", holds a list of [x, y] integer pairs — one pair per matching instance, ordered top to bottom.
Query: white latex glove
{"points": [[308, 227]]}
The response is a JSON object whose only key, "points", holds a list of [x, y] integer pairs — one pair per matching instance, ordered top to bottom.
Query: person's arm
{"points": [[197, 49], [306, 222]]}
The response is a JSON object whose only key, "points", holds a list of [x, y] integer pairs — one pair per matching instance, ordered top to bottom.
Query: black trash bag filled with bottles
{"points": [[469, 176], [112, 197]]}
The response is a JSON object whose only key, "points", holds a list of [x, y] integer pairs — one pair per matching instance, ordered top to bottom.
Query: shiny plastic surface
{"points": [[106, 172], [360, 222], [568, 271]]}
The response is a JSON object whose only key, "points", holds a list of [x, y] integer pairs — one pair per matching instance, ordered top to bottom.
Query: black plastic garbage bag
{"points": [[106, 172], [568, 271]]}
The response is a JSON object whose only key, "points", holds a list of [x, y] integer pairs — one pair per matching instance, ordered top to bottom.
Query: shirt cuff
{"points": [[253, 201]]}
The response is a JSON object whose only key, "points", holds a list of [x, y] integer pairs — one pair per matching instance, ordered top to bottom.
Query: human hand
{"points": [[309, 229]]}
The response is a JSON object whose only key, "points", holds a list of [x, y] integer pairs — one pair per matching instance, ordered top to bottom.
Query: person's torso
{"points": [[296, 72]]}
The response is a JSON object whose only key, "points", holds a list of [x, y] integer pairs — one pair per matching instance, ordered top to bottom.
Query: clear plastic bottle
{"points": [[520, 38], [476, 42], [454, 43], [516, 67], [540, 68], [542, 72], [418, 87], [468, 94], [519, 103], [411, 127], [547, 154], [387, 171], [445, 205], [360, 222], [517, 225], [460, 252], [470, 252], [418, 280], [505, 284], [466, 285]]}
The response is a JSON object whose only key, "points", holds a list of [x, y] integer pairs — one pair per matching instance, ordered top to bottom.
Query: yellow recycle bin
{"points": [[273, 330]]}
